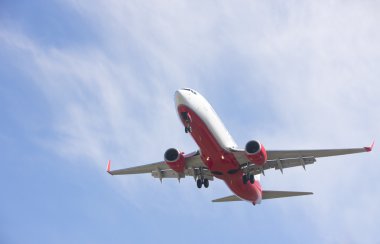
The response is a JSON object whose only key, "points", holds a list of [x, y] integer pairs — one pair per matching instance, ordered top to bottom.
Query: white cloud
{"points": [[313, 65]]}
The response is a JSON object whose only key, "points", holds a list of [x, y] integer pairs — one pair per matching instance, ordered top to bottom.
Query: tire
{"points": [[252, 178], [245, 179], [199, 183], [206, 183]]}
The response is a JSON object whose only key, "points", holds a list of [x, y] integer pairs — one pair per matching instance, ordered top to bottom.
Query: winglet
{"points": [[368, 149], [109, 166]]}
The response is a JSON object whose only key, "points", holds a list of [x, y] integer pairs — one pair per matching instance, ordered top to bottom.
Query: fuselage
{"points": [[214, 142]]}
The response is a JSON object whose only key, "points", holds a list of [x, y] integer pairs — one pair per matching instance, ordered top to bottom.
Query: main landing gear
{"points": [[248, 177], [201, 182]]}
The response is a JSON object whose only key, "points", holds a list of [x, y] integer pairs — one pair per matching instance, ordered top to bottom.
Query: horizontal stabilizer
{"points": [[281, 194], [266, 195], [231, 198]]}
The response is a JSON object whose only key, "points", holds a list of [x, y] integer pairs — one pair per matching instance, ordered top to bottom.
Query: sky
{"points": [[87, 81]]}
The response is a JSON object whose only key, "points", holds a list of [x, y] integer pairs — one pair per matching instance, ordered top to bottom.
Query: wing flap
{"points": [[318, 153], [280, 164], [147, 168], [162, 174]]}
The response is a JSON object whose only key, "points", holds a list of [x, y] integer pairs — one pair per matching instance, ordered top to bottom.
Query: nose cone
{"points": [[178, 93], [186, 96], [180, 97]]}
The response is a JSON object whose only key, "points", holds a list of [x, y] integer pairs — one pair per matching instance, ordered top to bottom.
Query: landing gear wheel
{"points": [[188, 129], [252, 178], [245, 179], [199, 183], [206, 183]]}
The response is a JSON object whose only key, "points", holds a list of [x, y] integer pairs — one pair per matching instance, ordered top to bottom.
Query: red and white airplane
{"points": [[219, 156]]}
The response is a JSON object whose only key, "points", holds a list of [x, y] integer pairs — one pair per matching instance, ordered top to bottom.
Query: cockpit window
{"points": [[190, 90]]}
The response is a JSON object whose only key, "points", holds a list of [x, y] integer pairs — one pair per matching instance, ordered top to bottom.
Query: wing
{"points": [[280, 159], [193, 166]]}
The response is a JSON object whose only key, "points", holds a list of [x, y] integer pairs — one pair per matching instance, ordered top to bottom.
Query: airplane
{"points": [[219, 156]]}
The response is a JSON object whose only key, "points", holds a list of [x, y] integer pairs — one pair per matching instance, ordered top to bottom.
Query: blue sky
{"points": [[84, 82]]}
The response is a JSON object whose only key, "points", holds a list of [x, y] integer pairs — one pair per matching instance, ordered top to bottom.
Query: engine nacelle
{"points": [[256, 153], [175, 160]]}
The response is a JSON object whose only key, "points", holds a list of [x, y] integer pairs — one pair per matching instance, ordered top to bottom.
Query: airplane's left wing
{"points": [[318, 153], [281, 159], [193, 166]]}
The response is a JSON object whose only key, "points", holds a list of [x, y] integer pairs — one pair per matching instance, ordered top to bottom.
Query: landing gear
{"points": [[187, 120], [188, 129], [249, 177], [245, 179], [201, 180], [199, 183], [206, 183]]}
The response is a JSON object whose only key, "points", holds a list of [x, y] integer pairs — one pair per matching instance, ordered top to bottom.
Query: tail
{"points": [[266, 195]]}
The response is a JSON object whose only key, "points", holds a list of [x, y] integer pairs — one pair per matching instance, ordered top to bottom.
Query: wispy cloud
{"points": [[309, 70]]}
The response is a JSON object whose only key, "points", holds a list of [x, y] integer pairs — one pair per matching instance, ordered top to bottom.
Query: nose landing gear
{"points": [[187, 119], [188, 129]]}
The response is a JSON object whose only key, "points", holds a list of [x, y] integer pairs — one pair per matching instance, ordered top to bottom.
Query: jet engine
{"points": [[256, 153], [175, 160]]}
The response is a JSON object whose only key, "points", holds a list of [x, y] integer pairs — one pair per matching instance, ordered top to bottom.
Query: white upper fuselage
{"points": [[203, 109]]}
